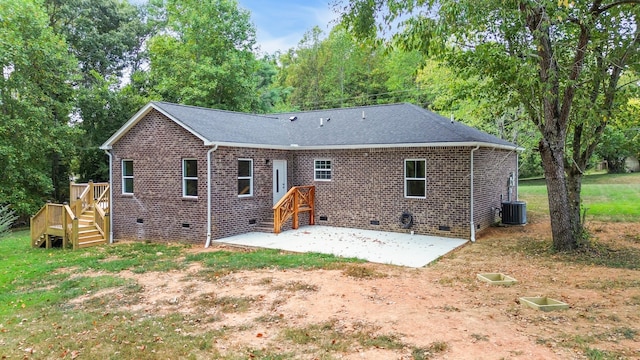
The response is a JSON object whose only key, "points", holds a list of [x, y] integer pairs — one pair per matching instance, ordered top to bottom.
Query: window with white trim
{"points": [[322, 170], [127, 176], [189, 177], [245, 177], [415, 178]]}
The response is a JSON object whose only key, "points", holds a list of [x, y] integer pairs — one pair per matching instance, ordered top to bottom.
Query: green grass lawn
{"points": [[606, 197], [32, 278], [36, 286]]}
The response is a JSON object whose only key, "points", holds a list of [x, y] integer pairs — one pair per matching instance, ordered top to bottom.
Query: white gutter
{"points": [[365, 146], [214, 148], [517, 175], [110, 196], [473, 226]]}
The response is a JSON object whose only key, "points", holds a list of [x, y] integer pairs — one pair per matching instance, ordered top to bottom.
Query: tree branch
{"points": [[614, 4]]}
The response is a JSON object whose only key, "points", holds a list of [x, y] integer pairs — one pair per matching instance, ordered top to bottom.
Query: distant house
{"points": [[184, 173]]}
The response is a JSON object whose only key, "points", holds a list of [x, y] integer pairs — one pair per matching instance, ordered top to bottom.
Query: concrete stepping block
{"points": [[497, 279], [544, 303]]}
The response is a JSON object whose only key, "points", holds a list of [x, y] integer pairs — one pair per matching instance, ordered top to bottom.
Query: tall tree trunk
{"points": [[574, 187], [562, 225]]}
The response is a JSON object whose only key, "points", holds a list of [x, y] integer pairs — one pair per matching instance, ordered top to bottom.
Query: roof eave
{"points": [[108, 145], [366, 146]]}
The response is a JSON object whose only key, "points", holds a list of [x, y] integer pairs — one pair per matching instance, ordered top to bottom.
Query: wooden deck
{"points": [[82, 222]]}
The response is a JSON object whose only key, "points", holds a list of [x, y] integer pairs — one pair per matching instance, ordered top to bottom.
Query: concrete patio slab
{"points": [[374, 246]]}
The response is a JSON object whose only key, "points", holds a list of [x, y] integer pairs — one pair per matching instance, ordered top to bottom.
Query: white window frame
{"points": [[317, 170], [124, 177], [186, 178], [250, 178], [407, 179]]}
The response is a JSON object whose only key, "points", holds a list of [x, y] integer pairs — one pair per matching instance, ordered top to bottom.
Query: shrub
{"points": [[7, 217]]}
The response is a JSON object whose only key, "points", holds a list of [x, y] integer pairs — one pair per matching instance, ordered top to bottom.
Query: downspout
{"points": [[517, 185], [110, 196], [473, 226], [208, 242]]}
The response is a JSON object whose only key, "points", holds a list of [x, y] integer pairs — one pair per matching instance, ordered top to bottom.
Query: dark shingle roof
{"points": [[368, 126]]}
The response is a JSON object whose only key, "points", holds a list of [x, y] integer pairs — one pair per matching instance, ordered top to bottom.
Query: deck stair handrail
{"points": [[298, 199], [101, 208], [62, 220], [70, 227]]}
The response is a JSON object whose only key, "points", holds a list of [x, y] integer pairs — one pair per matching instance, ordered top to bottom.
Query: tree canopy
{"points": [[204, 54], [561, 61], [35, 139]]}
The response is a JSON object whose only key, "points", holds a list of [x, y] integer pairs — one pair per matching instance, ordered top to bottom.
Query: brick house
{"points": [[184, 173]]}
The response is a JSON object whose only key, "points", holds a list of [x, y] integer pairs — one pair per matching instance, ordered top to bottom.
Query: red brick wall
{"points": [[157, 147], [492, 169], [367, 185], [232, 214]]}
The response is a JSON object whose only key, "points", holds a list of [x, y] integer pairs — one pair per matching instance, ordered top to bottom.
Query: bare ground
{"points": [[443, 303]]}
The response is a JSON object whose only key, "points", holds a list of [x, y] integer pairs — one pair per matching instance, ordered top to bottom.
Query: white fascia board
{"points": [[139, 116], [365, 146]]}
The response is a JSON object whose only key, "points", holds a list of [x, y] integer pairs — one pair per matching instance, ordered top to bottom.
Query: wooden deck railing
{"points": [[83, 196], [298, 199], [100, 212], [57, 220], [61, 220], [38, 224], [70, 227]]}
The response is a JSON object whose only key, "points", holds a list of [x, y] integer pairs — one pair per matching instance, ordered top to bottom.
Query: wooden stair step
{"points": [[91, 238], [84, 244]]}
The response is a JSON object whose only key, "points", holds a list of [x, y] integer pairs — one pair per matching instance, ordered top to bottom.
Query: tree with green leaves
{"points": [[107, 37], [204, 54], [562, 61], [334, 71], [36, 93], [272, 96], [469, 99], [103, 108], [622, 139]]}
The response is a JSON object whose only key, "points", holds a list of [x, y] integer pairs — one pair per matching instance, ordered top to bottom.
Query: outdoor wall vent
{"points": [[324, 218], [139, 221], [252, 221], [374, 222], [185, 225], [444, 228]]}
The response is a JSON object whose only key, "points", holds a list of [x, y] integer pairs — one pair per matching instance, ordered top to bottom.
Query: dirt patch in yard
{"points": [[441, 311]]}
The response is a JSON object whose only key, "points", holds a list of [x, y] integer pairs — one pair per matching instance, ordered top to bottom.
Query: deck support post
{"points": [[295, 210], [107, 227], [74, 233]]}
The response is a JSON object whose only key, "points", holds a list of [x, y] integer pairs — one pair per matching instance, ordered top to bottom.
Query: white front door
{"points": [[279, 180]]}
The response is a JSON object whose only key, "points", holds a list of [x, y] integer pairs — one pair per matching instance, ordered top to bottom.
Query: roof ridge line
{"points": [[341, 108], [214, 109]]}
